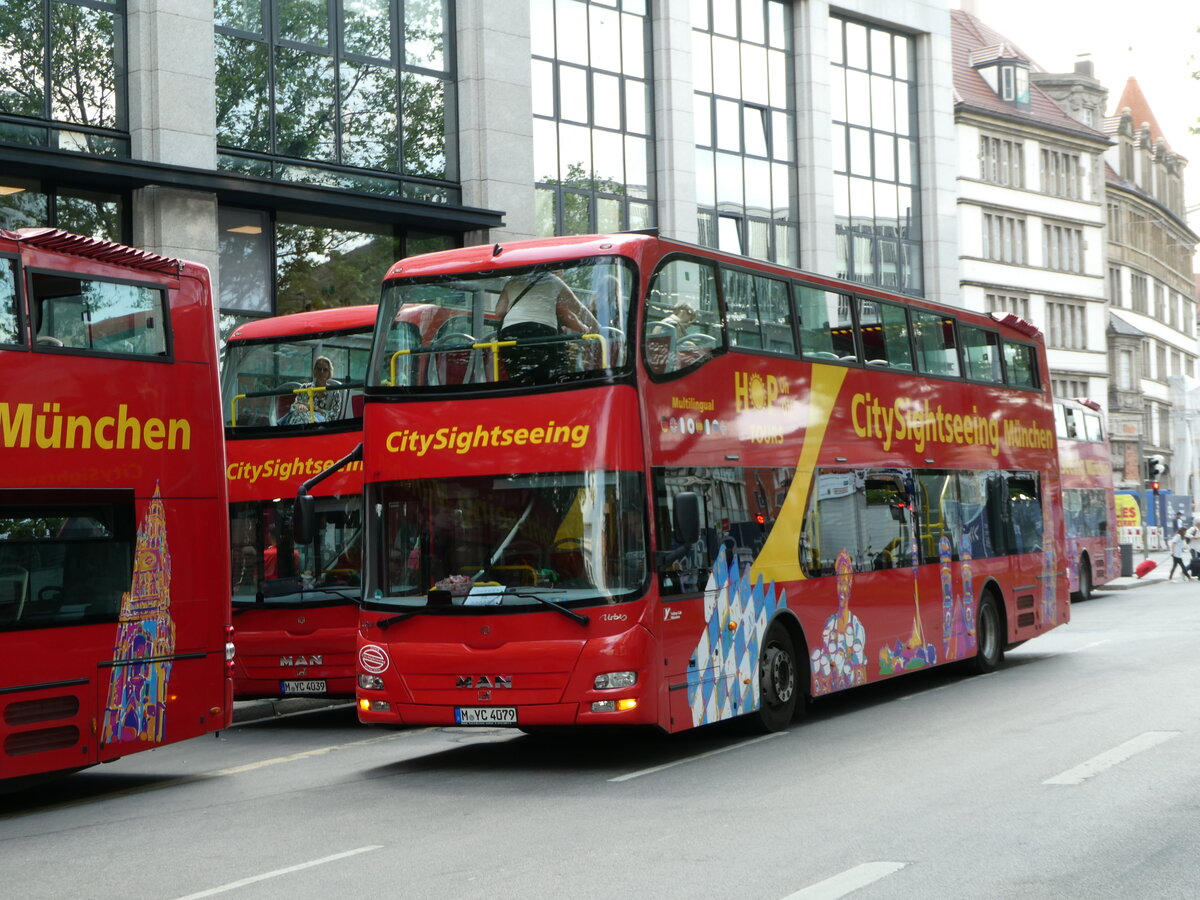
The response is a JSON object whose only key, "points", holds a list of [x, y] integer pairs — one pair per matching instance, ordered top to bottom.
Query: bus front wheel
{"points": [[989, 642], [779, 684]]}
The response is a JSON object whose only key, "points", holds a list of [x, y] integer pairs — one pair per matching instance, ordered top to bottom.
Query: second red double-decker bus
{"points": [[293, 405], [671, 486], [1089, 510], [114, 607]]}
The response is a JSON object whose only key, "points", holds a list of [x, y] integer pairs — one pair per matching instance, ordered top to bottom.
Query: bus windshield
{"points": [[546, 324], [298, 381], [571, 537], [268, 567]]}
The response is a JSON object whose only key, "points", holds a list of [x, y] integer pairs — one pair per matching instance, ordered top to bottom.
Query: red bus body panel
{"points": [[75, 695]]}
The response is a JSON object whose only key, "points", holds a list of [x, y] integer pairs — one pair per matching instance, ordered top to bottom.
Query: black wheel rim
{"points": [[779, 676]]}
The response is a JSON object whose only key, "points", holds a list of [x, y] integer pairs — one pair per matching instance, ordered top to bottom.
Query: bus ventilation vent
{"points": [[1025, 602], [1025, 620], [26, 712], [41, 740]]}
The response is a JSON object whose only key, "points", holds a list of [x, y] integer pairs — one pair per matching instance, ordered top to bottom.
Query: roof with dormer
{"points": [[974, 43]]}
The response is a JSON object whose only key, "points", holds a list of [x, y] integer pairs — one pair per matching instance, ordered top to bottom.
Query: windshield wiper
{"points": [[557, 607], [400, 617]]}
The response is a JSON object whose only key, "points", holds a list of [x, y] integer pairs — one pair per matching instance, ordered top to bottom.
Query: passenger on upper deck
{"points": [[539, 305], [328, 404]]}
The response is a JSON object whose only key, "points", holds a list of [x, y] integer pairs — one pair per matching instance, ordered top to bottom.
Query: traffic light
{"points": [[1155, 467]]}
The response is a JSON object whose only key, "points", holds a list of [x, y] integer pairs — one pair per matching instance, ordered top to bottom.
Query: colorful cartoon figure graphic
{"points": [[1050, 592], [958, 612], [145, 640], [915, 653], [840, 661], [723, 680]]}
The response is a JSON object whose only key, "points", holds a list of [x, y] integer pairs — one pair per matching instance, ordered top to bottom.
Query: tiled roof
{"points": [[973, 40], [1135, 101]]}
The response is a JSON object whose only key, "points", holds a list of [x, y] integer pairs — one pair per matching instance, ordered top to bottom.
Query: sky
{"points": [[1154, 41]]}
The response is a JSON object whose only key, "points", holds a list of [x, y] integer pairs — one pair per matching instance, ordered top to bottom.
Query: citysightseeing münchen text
{"points": [[922, 423], [24, 427], [465, 440]]}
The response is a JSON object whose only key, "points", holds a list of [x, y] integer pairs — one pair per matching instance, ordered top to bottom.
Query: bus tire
{"points": [[1085, 579], [989, 641], [778, 681]]}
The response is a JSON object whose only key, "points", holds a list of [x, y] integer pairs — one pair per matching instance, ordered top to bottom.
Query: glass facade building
{"points": [[298, 147]]}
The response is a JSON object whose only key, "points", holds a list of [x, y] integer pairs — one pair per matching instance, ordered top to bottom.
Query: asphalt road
{"points": [[1071, 772]]}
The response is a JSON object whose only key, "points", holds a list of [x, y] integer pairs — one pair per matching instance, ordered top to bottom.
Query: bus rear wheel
{"points": [[1085, 580], [989, 642], [778, 679]]}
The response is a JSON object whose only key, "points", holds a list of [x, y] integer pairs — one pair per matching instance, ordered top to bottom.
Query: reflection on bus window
{"points": [[8, 302], [757, 312], [98, 316], [937, 348], [981, 352], [1020, 365], [739, 508], [865, 513], [565, 536], [64, 560], [268, 566]]}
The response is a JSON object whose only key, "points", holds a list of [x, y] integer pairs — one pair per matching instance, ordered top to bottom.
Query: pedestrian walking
{"points": [[1177, 547]]}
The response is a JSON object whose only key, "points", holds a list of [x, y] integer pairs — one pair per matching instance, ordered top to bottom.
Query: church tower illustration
{"points": [[137, 692]]}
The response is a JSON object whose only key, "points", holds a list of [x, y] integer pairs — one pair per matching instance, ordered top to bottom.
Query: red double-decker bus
{"points": [[292, 389], [679, 486], [1089, 510], [114, 610]]}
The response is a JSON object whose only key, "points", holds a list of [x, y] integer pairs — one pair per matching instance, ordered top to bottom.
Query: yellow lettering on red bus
{"points": [[21, 427], [467, 440]]}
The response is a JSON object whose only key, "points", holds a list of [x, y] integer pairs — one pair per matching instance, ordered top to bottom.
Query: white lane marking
{"points": [[1087, 646], [698, 756], [1110, 758], [847, 882], [234, 885]]}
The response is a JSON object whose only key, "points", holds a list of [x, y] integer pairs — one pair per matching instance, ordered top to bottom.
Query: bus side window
{"points": [[757, 311], [683, 321], [826, 324], [9, 333], [937, 350], [981, 351], [1020, 365]]}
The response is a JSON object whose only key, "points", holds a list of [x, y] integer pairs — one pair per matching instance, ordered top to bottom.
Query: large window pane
{"points": [[367, 28], [22, 59], [84, 66], [369, 101], [243, 102], [304, 105], [425, 125], [91, 213], [245, 256], [317, 266]]}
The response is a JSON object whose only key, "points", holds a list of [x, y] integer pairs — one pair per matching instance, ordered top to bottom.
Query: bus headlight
{"points": [[609, 680], [370, 682]]}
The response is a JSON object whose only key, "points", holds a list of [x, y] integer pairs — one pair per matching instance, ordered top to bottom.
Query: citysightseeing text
{"points": [[920, 422], [460, 441], [283, 469]]}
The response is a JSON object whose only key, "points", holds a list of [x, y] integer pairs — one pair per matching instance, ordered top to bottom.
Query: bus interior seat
{"points": [[660, 347], [283, 403], [356, 405]]}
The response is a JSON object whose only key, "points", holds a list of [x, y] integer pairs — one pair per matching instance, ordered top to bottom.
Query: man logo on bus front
{"points": [[483, 682]]}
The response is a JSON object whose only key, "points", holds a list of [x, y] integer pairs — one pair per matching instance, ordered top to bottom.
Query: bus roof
{"points": [[93, 248], [515, 253], [315, 321]]}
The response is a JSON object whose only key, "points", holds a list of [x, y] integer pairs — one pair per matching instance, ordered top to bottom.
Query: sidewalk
{"points": [[1157, 576]]}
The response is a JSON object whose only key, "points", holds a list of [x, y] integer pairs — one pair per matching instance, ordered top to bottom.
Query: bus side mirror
{"points": [[686, 511], [304, 522]]}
